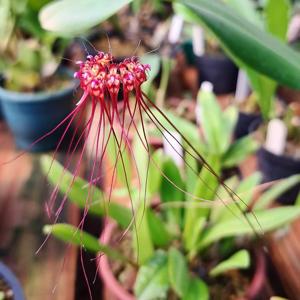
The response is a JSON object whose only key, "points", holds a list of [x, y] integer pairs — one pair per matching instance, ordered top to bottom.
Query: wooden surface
{"points": [[51, 273]]}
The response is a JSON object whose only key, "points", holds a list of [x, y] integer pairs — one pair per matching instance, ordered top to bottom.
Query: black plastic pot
{"points": [[219, 70], [32, 115], [246, 123], [275, 167], [11, 282]]}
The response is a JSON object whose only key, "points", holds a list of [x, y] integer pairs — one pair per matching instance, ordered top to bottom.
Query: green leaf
{"points": [[246, 8], [277, 13], [68, 18], [250, 45], [154, 61], [265, 89], [230, 116], [215, 128], [187, 129], [238, 151], [120, 159], [141, 160], [191, 169], [154, 175], [205, 188], [171, 191], [275, 191], [79, 192], [245, 192], [297, 202], [219, 205], [268, 220], [159, 234], [73, 235], [141, 236], [192, 236], [239, 260], [178, 272], [152, 278], [197, 290], [2, 295]]}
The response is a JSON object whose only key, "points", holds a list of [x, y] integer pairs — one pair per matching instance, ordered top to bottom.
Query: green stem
{"points": [[162, 90]]}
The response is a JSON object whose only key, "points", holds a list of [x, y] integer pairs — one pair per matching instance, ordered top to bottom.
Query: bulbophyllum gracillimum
{"points": [[114, 93], [118, 107]]}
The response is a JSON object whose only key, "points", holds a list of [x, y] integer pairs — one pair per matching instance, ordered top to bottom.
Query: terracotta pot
{"points": [[258, 281], [113, 286], [115, 290]]}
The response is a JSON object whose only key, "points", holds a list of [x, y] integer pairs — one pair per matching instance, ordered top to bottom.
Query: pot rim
{"points": [[15, 96], [22, 97], [281, 159], [104, 269], [12, 281]]}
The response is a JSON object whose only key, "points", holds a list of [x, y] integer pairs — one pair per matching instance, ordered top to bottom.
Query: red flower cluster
{"points": [[99, 74]]}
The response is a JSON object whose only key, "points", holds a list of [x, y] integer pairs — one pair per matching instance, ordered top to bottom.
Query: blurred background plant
{"points": [[30, 55]]}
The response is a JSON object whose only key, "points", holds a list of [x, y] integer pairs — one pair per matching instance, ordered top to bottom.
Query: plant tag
{"points": [[294, 28], [175, 29], [198, 41], [206, 87], [242, 87], [198, 114], [276, 137], [172, 146]]}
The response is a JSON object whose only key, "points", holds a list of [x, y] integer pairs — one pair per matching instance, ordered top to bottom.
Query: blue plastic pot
{"points": [[31, 115], [12, 282]]}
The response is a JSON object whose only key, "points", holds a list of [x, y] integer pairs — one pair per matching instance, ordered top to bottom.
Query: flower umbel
{"points": [[99, 75]]}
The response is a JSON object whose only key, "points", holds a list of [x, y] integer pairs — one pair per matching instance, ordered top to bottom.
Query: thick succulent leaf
{"points": [[277, 14], [68, 18], [246, 42], [154, 61], [217, 133], [238, 151], [119, 159], [141, 159], [155, 176], [205, 188], [171, 191], [275, 191], [245, 192], [221, 194], [267, 220], [158, 231], [72, 235], [141, 236], [239, 260], [178, 272], [152, 278], [197, 290]]}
